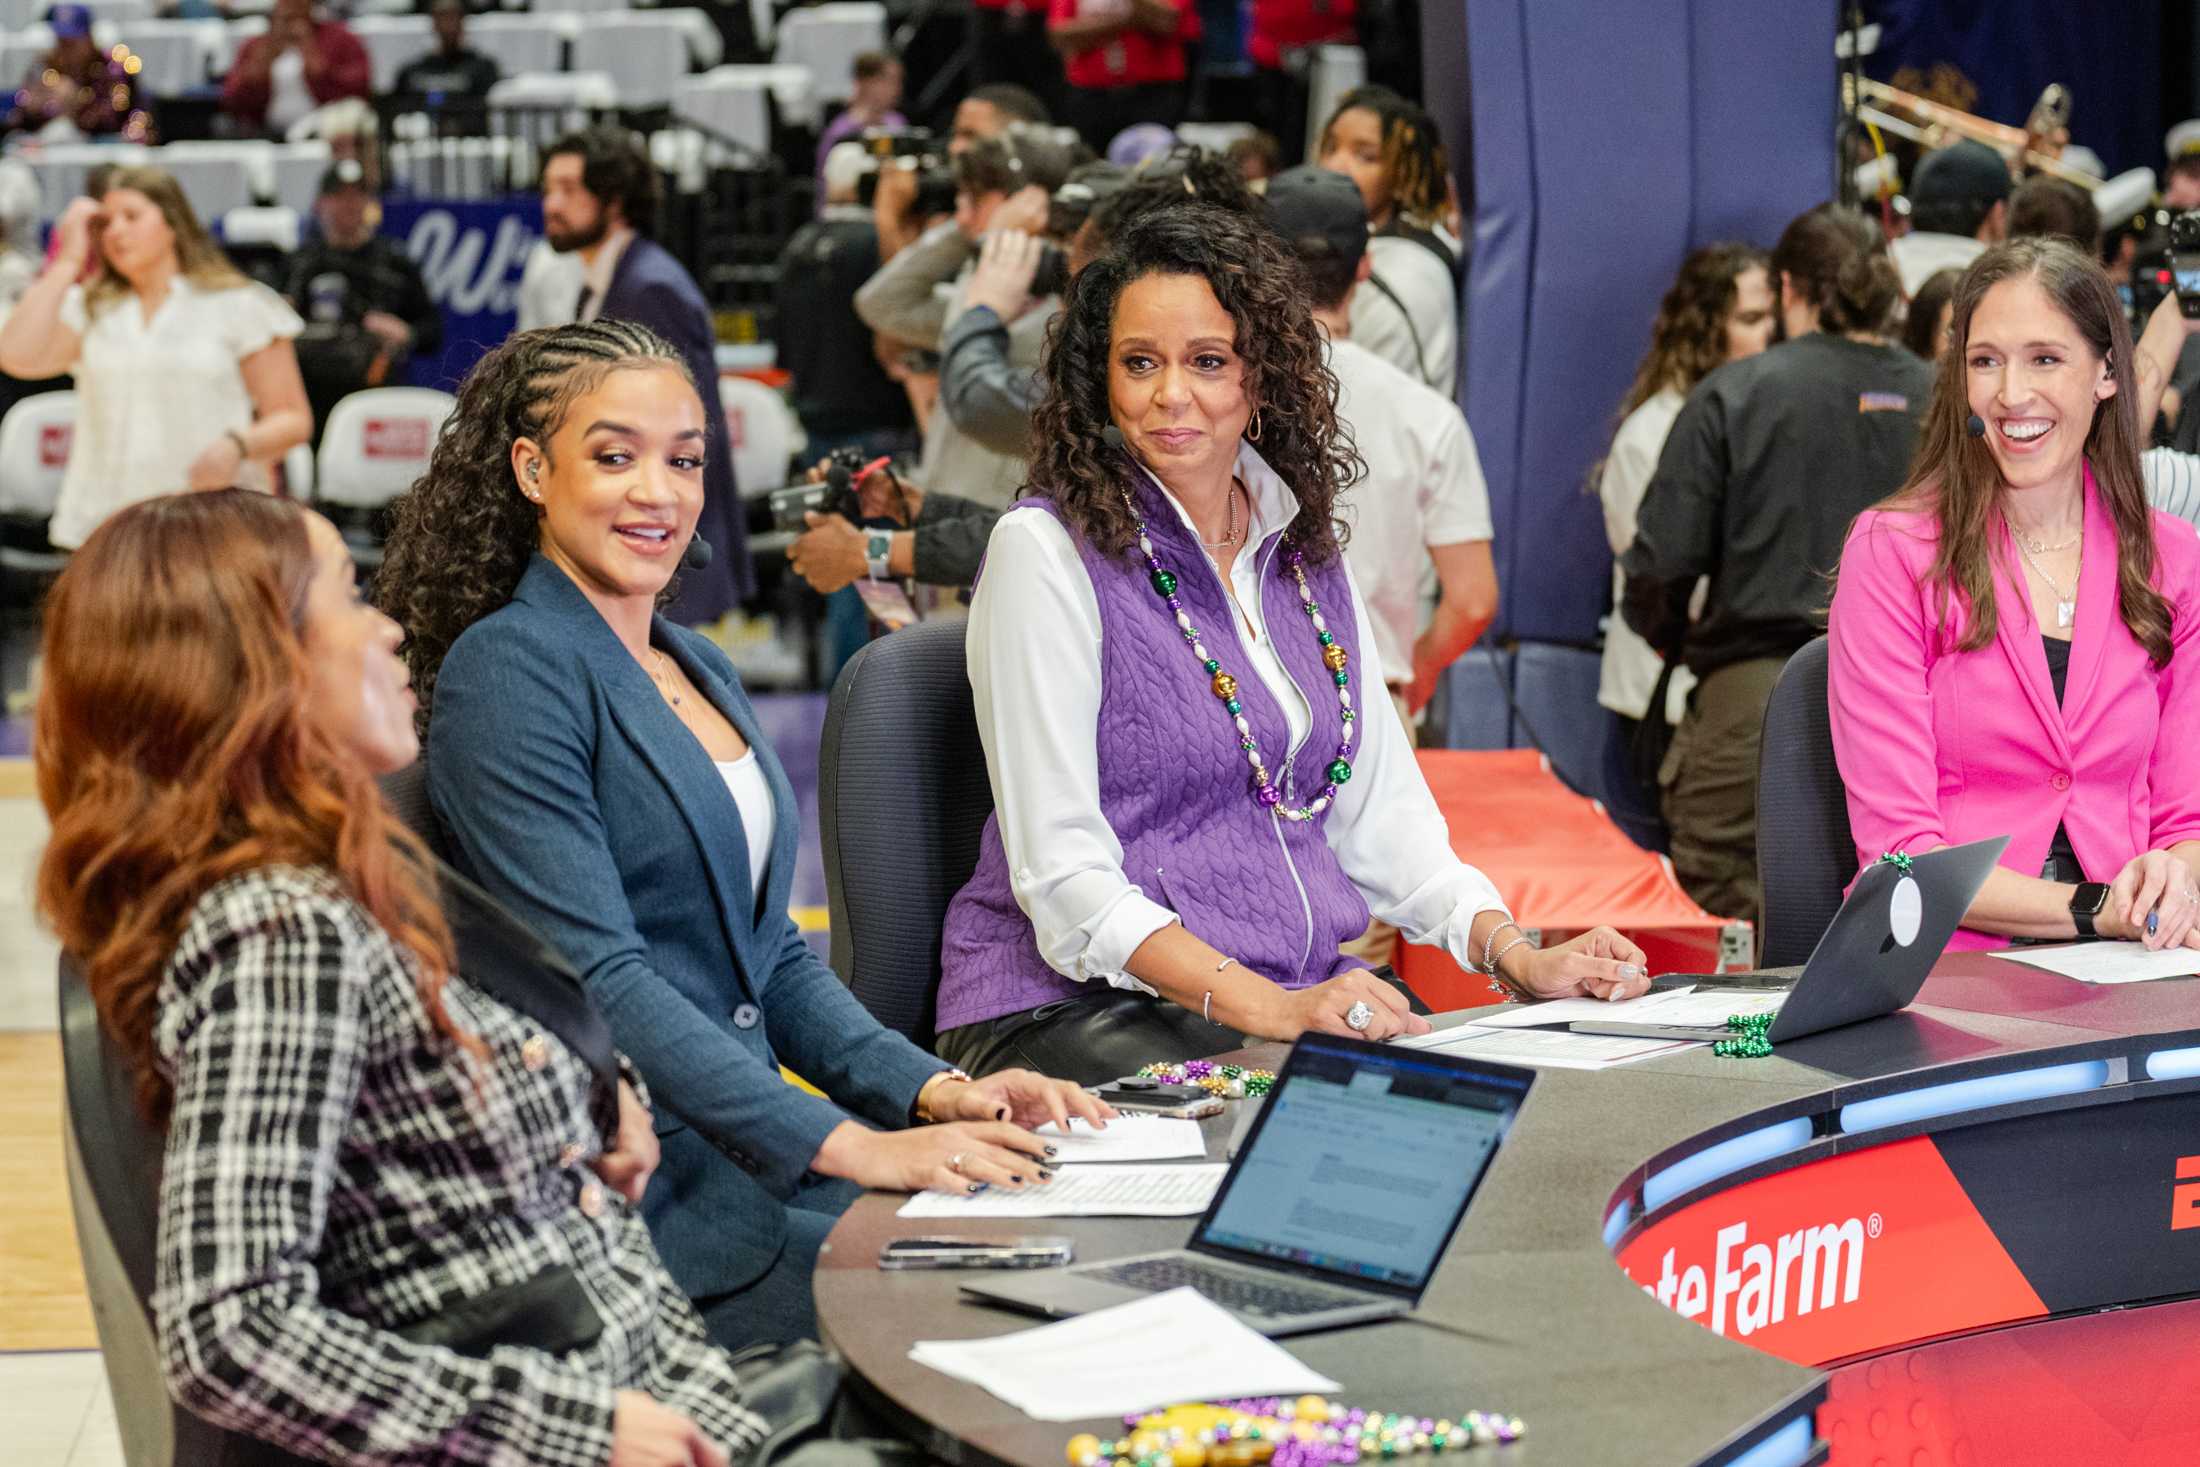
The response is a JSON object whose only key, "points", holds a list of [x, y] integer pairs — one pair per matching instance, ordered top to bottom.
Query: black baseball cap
{"points": [[1965, 172], [1307, 203]]}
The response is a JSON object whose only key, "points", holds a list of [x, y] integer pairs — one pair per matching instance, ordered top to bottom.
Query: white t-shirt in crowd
{"points": [[288, 97], [1919, 257], [549, 287], [1427, 292], [152, 395], [1423, 487], [1630, 670], [752, 796]]}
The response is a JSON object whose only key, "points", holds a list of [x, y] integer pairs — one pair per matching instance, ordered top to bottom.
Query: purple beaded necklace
{"points": [[1225, 686]]}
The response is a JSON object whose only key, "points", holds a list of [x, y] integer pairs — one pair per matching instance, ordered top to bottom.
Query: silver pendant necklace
{"points": [[2066, 603]]}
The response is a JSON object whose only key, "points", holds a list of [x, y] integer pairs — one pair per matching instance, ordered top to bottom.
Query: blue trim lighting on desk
{"points": [[2173, 1064], [2011, 1088], [1727, 1157], [1616, 1224], [1788, 1447]]}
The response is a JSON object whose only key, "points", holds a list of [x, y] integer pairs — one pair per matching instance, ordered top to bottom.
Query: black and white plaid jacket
{"points": [[336, 1170]]}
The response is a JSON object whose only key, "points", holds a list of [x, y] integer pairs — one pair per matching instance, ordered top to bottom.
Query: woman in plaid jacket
{"points": [[395, 1221]]}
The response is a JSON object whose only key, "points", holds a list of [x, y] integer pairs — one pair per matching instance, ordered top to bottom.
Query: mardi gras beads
{"points": [[1750, 1041], [1230, 1082], [1309, 1431]]}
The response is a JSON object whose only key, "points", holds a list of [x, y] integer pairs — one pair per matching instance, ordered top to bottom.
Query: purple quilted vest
{"points": [[1176, 788]]}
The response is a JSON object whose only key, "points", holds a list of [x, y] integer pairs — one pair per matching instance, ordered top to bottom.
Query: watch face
{"points": [[880, 546], [2090, 898]]}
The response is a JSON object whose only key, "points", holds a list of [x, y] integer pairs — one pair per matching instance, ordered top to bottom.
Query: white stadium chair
{"points": [[827, 39], [517, 43], [644, 52], [176, 55], [730, 100], [61, 168], [295, 171], [219, 176], [273, 226], [762, 431], [376, 443], [34, 452]]}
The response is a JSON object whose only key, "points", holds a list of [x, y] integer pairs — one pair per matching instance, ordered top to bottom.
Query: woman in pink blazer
{"points": [[2013, 634]]}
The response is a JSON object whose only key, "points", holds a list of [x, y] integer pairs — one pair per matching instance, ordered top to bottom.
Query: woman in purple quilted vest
{"points": [[1194, 805]]}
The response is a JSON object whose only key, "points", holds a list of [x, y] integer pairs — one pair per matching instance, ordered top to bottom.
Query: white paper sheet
{"points": [[2108, 962], [1690, 1005], [1549, 1048], [1126, 1138], [1085, 1191], [1108, 1364]]}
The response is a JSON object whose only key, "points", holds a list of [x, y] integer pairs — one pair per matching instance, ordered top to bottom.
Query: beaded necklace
{"points": [[1225, 686]]}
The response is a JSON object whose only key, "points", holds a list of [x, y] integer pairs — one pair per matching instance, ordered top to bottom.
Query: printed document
{"points": [[2108, 962], [1128, 1137], [1085, 1191]]}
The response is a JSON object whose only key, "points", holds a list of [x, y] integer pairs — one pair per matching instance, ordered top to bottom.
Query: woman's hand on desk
{"points": [[2156, 883], [1598, 964], [1324, 1007], [1024, 1097], [954, 1156]]}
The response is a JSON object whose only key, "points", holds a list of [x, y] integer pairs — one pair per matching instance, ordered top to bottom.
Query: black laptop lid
{"points": [[1882, 944], [1362, 1163]]}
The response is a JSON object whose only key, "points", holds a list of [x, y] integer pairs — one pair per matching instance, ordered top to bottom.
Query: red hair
{"points": [[175, 748]]}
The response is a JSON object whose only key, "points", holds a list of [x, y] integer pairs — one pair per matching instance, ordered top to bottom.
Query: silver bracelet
{"points": [[1490, 942], [1508, 947], [1226, 962]]}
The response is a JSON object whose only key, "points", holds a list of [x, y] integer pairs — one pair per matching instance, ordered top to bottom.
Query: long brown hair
{"points": [[198, 259], [1688, 338], [1954, 477], [174, 749]]}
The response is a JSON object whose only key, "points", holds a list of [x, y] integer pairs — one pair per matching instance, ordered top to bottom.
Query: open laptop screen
{"points": [[1363, 1162]]}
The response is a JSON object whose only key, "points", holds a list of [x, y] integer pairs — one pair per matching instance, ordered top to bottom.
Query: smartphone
{"points": [[2184, 261], [1175, 1102], [945, 1252]]}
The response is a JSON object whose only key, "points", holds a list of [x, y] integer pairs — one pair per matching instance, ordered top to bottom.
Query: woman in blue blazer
{"points": [[601, 771]]}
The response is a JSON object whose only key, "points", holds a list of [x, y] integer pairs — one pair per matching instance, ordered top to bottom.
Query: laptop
{"points": [[1875, 955], [1337, 1207]]}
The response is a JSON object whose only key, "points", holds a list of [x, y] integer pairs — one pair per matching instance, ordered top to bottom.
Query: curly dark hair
{"points": [[616, 168], [1185, 172], [1258, 281], [1688, 338], [461, 537]]}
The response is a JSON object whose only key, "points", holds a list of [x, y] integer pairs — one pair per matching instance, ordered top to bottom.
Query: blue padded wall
{"points": [[1609, 137]]}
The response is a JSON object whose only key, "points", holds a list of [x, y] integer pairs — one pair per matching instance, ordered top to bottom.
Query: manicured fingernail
{"points": [[2154, 920], [1630, 971], [1052, 1150], [1046, 1176], [976, 1188]]}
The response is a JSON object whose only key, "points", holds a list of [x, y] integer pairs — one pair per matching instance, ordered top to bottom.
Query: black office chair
{"points": [[407, 792], [902, 797], [1805, 853], [114, 1189]]}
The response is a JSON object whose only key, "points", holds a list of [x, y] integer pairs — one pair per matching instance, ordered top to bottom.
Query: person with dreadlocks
{"points": [[1409, 313], [600, 771]]}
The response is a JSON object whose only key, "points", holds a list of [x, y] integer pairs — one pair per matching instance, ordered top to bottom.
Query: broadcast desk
{"points": [[2015, 1146]]}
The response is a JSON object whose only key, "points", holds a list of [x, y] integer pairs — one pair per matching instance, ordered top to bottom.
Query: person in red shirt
{"points": [[1277, 33], [1124, 60], [299, 64]]}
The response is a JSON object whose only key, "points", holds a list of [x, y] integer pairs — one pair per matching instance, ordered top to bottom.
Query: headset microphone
{"points": [[1975, 426], [1113, 437], [697, 555]]}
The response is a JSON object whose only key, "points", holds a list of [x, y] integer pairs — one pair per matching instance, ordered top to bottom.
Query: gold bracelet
{"points": [[923, 1107]]}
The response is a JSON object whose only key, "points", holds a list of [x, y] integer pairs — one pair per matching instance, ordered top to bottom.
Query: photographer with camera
{"points": [[1002, 184], [916, 188]]}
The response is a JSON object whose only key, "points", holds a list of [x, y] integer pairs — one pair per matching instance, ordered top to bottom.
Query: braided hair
{"points": [[1414, 160], [461, 537]]}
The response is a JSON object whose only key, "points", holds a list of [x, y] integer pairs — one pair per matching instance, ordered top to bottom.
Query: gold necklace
{"points": [[662, 679]]}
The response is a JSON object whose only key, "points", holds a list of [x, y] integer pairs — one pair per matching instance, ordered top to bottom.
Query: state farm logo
{"points": [[395, 438], [53, 445], [2184, 1198], [1757, 1284]]}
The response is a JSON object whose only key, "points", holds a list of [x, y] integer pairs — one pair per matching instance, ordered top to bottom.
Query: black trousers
{"points": [[1098, 1036]]}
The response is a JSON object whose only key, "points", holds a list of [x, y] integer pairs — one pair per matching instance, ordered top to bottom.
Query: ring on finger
{"points": [[1359, 1016], [955, 1163]]}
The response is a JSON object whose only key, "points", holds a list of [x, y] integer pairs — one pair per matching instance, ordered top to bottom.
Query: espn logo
{"points": [[395, 438], [2184, 1198]]}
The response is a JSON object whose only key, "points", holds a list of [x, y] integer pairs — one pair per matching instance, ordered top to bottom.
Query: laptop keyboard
{"points": [[1228, 1288]]}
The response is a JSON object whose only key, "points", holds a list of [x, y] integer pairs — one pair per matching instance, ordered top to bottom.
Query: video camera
{"points": [[917, 149], [835, 495]]}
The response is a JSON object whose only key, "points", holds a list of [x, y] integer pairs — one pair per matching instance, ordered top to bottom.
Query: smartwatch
{"points": [[875, 551], [2086, 903]]}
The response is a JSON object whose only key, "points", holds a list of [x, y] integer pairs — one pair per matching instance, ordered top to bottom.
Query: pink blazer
{"points": [[1939, 747]]}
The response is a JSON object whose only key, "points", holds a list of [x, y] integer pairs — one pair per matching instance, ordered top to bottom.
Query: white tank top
{"points": [[744, 778]]}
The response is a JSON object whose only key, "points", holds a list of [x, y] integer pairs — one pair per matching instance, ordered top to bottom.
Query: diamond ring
{"points": [[1359, 1016]]}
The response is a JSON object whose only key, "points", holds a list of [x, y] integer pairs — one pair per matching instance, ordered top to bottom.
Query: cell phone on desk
{"points": [[1151, 1097], [947, 1252]]}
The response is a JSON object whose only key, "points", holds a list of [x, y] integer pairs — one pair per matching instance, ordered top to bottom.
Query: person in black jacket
{"points": [[453, 72], [366, 307], [1768, 462]]}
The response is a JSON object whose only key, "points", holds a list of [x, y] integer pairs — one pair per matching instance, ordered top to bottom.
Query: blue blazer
{"points": [[652, 288], [576, 796]]}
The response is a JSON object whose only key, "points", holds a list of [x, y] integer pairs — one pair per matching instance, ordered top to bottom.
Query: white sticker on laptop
{"points": [[1905, 911]]}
